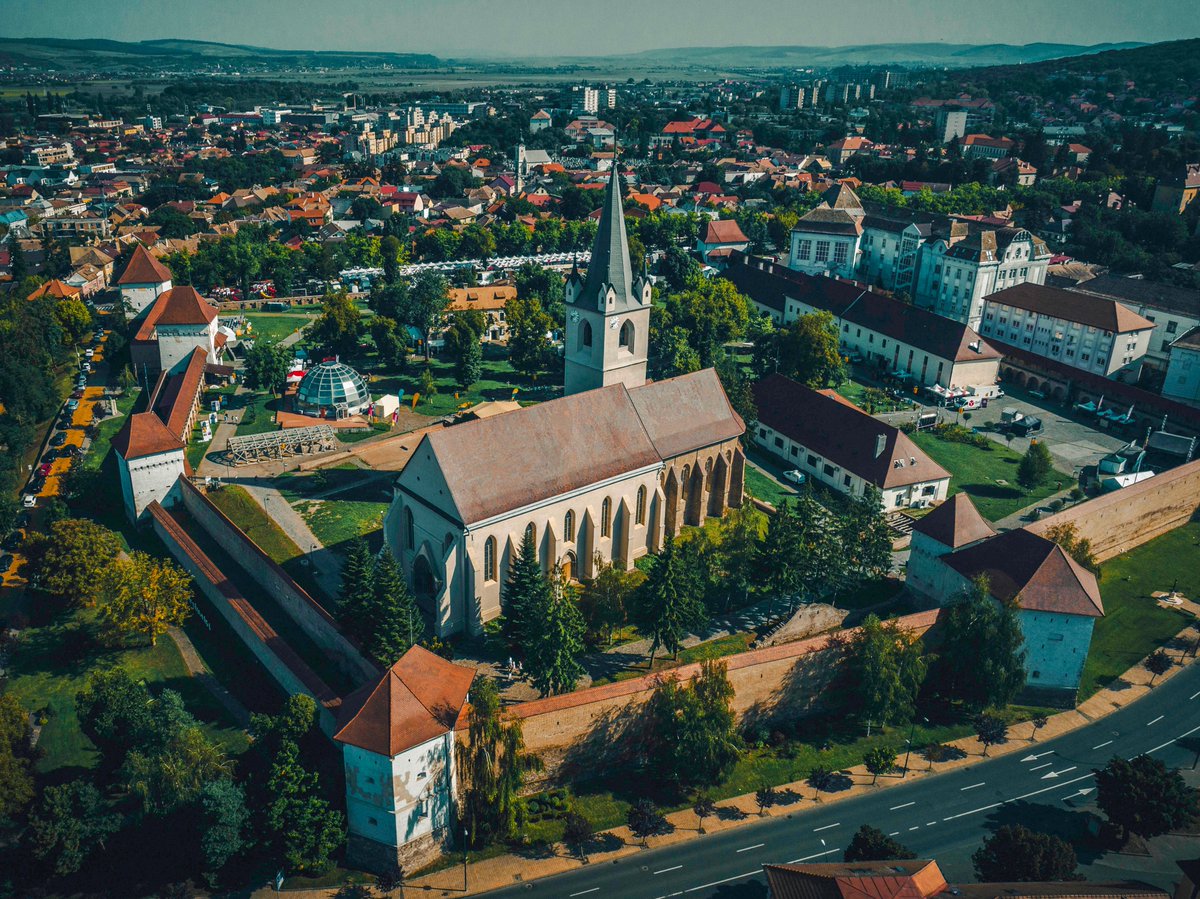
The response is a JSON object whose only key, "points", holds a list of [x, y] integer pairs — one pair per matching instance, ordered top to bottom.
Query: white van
{"points": [[990, 392]]}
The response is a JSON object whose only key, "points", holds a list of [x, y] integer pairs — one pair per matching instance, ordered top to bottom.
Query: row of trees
{"points": [[375, 605]]}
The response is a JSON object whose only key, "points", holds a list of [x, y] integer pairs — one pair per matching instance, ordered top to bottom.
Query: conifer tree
{"points": [[781, 552], [358, 589], [522, 591], [665, 607], [396, 623], [556, 641]]}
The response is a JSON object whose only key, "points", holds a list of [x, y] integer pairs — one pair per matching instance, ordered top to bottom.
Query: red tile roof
{"points": [[724, 231], [143, 268], [184, 306], [1073, 306], [144, 434], [955, 523], [417, 699]]}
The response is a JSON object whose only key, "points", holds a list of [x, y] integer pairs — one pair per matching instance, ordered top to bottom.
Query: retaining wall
{"points": [[1119, 521], [310, 616], [287, 669], [577, 733]]}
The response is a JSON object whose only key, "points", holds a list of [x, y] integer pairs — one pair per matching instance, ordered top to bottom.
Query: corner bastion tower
{"points": [[608, 312]]}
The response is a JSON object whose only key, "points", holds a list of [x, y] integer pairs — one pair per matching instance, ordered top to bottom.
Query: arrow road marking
{"points": [[1034, 758], [1051, 774], [1080, 793], [988, 808]]}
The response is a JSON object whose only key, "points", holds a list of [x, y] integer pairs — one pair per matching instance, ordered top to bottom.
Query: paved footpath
{"points": [[326, 568], [1034, 778]]}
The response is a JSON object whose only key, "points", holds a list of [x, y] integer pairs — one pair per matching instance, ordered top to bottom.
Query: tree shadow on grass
{"points": [[1078, 827]]}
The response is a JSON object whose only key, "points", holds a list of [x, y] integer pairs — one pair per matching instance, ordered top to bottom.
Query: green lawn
{"points": [[275, 326], [854, 390], [258, 415], [107, 429], [976, 472], [764, 488], [242, 509], [336, 521], [1134, 624], [58, 653]]}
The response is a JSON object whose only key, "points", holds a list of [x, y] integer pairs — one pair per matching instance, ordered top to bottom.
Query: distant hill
{"points": [[927, 54], [90, 55], [1153, 67]]}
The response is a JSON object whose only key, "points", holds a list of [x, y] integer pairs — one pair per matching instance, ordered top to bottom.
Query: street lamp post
{"points": [[911, 733], [464, 859]]}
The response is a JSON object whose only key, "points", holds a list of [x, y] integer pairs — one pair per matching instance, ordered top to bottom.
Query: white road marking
{"points": [[1194, 695], [1156, 720], [1169, 742], [1102, 745], [1034, 758], [1041, 766], [1050, 775], [973, 786], [906, 805], [986, 808], [930, 823], [826, 827], [918, 827], [893, 833], [755, 846], [809, 858], [665, 870], [585, 892]]}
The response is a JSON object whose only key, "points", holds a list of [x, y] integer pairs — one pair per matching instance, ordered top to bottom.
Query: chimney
{"points": [[880, 444]]}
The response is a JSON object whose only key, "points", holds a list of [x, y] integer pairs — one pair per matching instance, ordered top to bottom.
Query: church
{"points": [[607, 472]]}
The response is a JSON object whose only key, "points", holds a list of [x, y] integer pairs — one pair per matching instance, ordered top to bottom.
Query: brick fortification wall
{"points": [[1119, 521], [308, 614], [287, 669], [578, 732]]}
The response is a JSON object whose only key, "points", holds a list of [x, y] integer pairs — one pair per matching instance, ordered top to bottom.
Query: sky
{"points": [[598, 27]]}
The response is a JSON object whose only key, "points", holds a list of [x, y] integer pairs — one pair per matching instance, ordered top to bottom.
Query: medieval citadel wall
{"points": [[1119, 521]]}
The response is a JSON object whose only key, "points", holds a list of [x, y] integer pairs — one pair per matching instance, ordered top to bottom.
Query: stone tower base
{"points": [[379, 858]]}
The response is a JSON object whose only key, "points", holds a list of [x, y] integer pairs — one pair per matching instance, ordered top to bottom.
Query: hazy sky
{"points": [[558, 27]]}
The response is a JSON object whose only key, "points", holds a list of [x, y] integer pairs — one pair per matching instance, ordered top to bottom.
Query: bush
{"points": [[952, 432]]}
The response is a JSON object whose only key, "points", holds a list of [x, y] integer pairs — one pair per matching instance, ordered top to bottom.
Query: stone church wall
{"points": [[1119, 521], [578, 733]]}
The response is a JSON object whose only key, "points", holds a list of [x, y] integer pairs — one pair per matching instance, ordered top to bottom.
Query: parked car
{"points": [[85, 367], [78, 394], [72, 404], [1023, 427], [58, 439], [44, 470], [795, 476], [29, 500], [14, 540], [6, 562]]}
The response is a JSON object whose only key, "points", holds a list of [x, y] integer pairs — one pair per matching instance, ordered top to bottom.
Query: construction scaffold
{"points": [[251, 448]]}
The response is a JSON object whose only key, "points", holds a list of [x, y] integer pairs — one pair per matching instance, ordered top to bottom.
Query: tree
{"points": [[393, 256], [427, 302], [712, 312], [73, 319], [339, 326], [390, 343], [529, 348], [808, 351], [266, 366], [469, 366], [428, 386], [738, 387], [1035, 466], [867, 536], [1078, 548], [77, 552], [780, 554], [357, 589], [524, 593], [145, 596], [604, 600], [665, 607], [395, 621], [551, 655], [981, 662], [1158, 662], [882, 670], [115, 713], [1038, 723], [991, 730], [691, 734], [880, 760], [491, 766], [169, 777], [16, 784], [765, 797], [1144, 797], [702, 808], [224, 819], [645, 820], [68, 824], [305, 829], [577, 830], [869, 844], [1016, 854]]}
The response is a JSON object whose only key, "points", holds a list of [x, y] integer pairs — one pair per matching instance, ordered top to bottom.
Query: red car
{"points": [[43, 469]]}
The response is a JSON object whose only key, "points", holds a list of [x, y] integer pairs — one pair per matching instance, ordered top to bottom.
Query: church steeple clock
{"points": [[608, 311]]}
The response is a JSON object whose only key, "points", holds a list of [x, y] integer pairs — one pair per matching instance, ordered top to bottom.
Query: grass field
{"points": [[274, 326], [258, 416], [107, 430], [978, 473], [762, 487], [242, 510], [337, 521], [1134, 624]]}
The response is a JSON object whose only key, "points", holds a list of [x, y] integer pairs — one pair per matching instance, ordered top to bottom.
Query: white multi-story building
{"points": [[825, 241], [1174, 310], [1089, 333], [1182, 381]]}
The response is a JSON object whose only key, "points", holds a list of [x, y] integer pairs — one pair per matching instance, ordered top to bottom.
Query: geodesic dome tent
{"points": [[333, 390]]}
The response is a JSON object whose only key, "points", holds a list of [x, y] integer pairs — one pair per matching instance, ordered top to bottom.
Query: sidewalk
{"points": [[326, 568]]}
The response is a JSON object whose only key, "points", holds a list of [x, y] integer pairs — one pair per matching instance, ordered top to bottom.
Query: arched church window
{"points": [[585, 334], [626, 338], [641, 505], [605, 517], [569, 526], [410, 530], [531, 532], [489, 559]]}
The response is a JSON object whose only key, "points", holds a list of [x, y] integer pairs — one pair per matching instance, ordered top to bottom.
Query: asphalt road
{"points": [[1049, 787]]}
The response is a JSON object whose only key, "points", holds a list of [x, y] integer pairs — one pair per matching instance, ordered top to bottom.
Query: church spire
{"points": [[610, 265]]}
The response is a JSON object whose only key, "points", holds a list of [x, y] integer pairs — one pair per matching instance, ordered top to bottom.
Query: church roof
{"points": [[610, 252], [143, 268], [506, 462], [955, 523], [417, 699]]}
